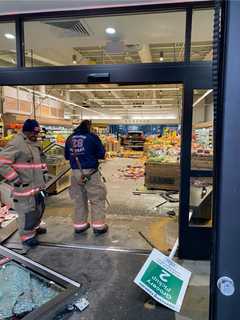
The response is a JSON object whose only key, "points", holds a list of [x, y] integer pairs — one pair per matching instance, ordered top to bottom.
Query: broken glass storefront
{"points": [[29, 290]]}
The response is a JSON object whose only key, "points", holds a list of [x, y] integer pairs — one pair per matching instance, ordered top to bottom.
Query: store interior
{"points": [[140, 127], [143, 129]]}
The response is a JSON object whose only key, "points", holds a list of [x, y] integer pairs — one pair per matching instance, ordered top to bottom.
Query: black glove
{"points": [[45, 176], [17, 182]]}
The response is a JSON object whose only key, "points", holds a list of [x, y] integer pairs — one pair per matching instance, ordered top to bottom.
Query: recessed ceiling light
{"points": [[110, 30], [9, 36]]}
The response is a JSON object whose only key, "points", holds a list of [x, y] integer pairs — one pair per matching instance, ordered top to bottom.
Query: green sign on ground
{"points": [[164, 280]]}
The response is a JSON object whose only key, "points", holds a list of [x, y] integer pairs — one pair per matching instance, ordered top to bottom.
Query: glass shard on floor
{"points": [[22, 291]]}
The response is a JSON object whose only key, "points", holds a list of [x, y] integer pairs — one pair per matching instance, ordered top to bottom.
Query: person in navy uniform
{"points": [[84, 149]]}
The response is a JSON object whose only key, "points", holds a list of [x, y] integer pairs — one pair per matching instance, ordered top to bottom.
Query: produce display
{"points": [[57, 134], [4, 140], [110, 143], [165, 149], [202, 149], [131, 154]]}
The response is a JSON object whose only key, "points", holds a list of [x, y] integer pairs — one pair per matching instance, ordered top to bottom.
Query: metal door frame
{"points": [[190, 74], [225, 262]]}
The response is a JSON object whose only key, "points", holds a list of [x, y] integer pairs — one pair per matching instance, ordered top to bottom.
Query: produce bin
{"points": [[202, 163], [57, 164], [55, 169], [163, 176], [7, 229]]}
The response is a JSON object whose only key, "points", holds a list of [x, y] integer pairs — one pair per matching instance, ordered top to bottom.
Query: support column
{"points": [[225, 292]]}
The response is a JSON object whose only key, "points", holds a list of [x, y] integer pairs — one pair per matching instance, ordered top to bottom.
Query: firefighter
{"points": [[84, 150], [21, 164]]}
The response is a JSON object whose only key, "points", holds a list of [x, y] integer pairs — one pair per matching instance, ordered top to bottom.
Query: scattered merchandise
{"points": [[132, 172], [5, 215], [146, 239]]}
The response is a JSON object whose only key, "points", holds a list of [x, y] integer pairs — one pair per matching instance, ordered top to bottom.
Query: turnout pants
{"points": [[92, 193], [30, 211]]}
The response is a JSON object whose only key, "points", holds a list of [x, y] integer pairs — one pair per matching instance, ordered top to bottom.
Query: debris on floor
{"points": [[132, 172], [146, 239], [22, 291]]}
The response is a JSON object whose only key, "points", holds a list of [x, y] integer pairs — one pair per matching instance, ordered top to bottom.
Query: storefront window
{"points": [[202, 35], [143, 38], [7, 44], [202, 132], [201, 186], [200, 205]]}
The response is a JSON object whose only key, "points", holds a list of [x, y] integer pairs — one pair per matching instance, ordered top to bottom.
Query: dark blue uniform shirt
{"points": [[88, 148]]}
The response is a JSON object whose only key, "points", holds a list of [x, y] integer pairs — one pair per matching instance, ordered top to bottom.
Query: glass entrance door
{"points": [[196, 219]]}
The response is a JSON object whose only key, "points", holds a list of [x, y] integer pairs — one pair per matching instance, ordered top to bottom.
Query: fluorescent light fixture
{"points": [[110, 30], [9, 36], [123, 89], [202, 97], [130, 99], [72, 104], [136, 105], [139, 110], [152, 113], [106, 117], [162, 117]]}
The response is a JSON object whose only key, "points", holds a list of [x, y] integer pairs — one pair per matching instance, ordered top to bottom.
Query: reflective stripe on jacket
{"points": [[21, 158]]}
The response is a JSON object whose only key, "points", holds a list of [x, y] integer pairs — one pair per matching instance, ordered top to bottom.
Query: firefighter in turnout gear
{"points": [[84, 150], [21, 165]]}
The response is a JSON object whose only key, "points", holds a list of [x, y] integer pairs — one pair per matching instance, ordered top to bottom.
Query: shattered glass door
{"points": [[22, 291]]}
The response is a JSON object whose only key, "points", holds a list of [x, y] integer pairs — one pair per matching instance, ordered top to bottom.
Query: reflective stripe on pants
{"points": [[93, 191], [30, 211]]}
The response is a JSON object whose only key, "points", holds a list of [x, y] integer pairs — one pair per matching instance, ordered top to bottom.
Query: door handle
{"points": [[226, 286]]}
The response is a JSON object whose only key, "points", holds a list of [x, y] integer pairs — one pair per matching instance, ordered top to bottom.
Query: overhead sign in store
{"points": [[164, 280]]}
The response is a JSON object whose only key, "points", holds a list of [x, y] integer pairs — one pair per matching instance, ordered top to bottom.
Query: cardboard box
{"points": [[201, 164], [55, 169], [163, 176], [61, 184], [9, 228]]}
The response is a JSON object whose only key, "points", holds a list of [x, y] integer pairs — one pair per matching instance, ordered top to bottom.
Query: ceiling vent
{"points": [[72, 28]]}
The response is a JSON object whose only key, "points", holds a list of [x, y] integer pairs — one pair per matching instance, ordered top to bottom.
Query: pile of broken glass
{"points": [[22, 291]]}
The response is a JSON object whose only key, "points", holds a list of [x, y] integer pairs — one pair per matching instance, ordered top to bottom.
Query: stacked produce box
{"points": [[111, 144], [56, 164]]}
